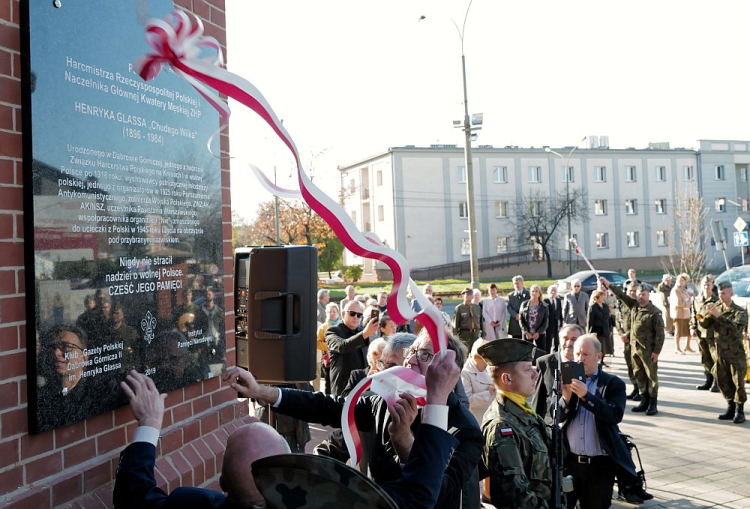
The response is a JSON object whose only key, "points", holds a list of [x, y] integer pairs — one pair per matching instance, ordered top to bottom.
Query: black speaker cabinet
{"points": [[276, 312]]}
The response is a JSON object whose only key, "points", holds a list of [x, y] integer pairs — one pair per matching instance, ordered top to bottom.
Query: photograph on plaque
{"points": [[123, 229]]}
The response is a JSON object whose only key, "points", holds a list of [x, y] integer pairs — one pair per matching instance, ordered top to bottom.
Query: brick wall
{"points": [[74, 466]]}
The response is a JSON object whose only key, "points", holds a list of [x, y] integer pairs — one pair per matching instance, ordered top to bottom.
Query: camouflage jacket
{"points": [[467, 317], [623, 320], [646, 323], [704, 327], [728, 329], [516, 455]]}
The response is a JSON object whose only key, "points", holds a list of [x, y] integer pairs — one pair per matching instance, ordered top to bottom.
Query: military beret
{"points": [[724, 285], [467, 290], [502, 351], [307, 481]]}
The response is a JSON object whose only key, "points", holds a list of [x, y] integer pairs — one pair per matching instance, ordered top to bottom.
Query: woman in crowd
{"points": [[680, 303], [534, 319], [599, 323], [324, 362], [477, 382]]}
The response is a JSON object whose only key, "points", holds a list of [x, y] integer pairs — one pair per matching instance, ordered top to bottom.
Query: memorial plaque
{"points": [[123, 214]]}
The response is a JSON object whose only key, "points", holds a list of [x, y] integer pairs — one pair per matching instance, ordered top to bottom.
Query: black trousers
{"points": [[593, 479]]}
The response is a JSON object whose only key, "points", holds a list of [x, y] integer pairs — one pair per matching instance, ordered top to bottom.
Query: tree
{"points": [[537, 218], [241, 231], [687, 244]]}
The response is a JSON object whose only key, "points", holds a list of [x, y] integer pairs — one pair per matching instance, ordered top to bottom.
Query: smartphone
{"points": [[375, 314], [572, 370]]}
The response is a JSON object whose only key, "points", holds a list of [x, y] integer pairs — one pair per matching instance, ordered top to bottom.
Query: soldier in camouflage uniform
{"points": [[467, 320], [729, 321], [623, 325], [704, 331], [647, 336], [516, 452]]}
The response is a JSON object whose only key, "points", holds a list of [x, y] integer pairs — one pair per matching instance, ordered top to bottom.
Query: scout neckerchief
{"points": [[520, 401]]}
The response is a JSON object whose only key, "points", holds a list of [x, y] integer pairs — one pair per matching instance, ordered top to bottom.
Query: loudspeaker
{"points": [[276, 312]]}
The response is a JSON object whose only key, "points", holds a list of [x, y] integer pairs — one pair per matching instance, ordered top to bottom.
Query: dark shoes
{"points": [[707, 384], [714, 387], [633, 394], [643, 405], [651, 410], [729, 414], [739, 415], [639, 492], [631, 497]]}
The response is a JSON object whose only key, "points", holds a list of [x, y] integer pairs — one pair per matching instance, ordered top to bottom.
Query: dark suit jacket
{"points": [[514, 306], [541, 319], [555, 320], [598, 320], [348, 351], [542, 399], [608, 406], [371, 415], [135, 485]]}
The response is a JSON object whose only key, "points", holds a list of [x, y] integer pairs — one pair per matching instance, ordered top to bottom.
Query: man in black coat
{"points": [[515, 299], [555, 320], [347, 345], [596, 450]]}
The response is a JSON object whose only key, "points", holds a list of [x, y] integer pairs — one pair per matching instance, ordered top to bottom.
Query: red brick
{"points": [[187, 4], [202, 9], [5, 10], [16, 12], [218, 17], [218, 33], [10, 37], [6, 63], [17, 66], [10, 90], [6, 113], [17, 120], [10, 146], [7, 172], [19, 173], [225, 179], [12, 197], [226, 214], [7, 223], [19, 226], [11, 253], [7, 282], [21, 282], [13, 309], [8, 340], [231, 358], [211, 384], [193, 391], [23, 393], [8, 395], [221, 397], [173, 398], [201, 404], [182, 412], [123, 415], [226, 415], [14, 422], [167, 422], [209, 423], [99, 424], [130, 430], [191, 431], [70, 434], [110, 441], [171, 441], [214, 444], [35, 445], [8, 453], [76, 454], [194, 459], [43, 467], [184, 470], [169, 473], [96, 476], [11, 480], [161, 481], [66, 489], [105, 493], [37, 497]]}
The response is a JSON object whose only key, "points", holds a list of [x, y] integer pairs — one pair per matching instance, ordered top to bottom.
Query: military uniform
{"points": [[467, 323], [623, 325], [705, 330], [647, 337], [731, 364]]}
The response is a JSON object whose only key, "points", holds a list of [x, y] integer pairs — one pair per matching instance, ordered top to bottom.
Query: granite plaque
{"points": [[123, 214]]}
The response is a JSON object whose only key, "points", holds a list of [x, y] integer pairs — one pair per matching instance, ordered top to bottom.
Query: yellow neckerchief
{"points": [[519, 400]]}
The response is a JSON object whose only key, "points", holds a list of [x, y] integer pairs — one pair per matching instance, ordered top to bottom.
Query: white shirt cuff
{"points": [[278, 400], [436, 415], [146, 434]]}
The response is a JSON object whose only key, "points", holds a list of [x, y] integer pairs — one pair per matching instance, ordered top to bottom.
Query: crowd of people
{"points": [[495, 391]]}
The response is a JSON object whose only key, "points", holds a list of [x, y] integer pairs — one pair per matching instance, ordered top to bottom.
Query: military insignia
{"points": [[506, 432]]}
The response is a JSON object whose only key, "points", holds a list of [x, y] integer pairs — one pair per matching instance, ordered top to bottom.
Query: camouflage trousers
{"points": [[707, 349], [628, 354], [645, 371], [730, 377]]}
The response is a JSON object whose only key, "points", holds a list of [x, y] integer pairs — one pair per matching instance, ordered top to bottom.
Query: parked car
{"points": [[740, 279], [588, 281]]}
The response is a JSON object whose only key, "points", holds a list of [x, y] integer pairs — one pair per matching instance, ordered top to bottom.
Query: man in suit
{"points": [[515, 299], [576, 305], [555, 321], [347, 345], [547, 364], [591, 411]]}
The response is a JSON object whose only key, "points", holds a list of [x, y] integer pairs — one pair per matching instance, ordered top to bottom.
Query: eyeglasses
{"points": [[354, 313], [65, 346], [422, 355], [383, 366]]}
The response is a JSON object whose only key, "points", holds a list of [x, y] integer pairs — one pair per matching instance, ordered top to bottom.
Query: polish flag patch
{"points": [[506, 432]]}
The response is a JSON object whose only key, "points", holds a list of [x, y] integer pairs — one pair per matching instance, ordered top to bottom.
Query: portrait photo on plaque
{"points": [[123, 212]]}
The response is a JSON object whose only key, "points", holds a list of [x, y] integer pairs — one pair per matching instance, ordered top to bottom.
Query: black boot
{"points": [[707, 384], [715, 386], [634, 393], [643, 405], [652, 407], [729, 414], [739, 414], [641, 493]]}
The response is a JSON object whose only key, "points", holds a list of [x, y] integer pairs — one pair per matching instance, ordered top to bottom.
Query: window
{"points": [[719, 172], [661, 173], [687, 173], [500, 174], [535, 174], [568, 174], [600, 174], [630, 174], [743, 174], [461, 175], [379, 178], [721, 204], [661, 206], [600, 207], [631, 207], [535, 208], [501, 209], [463, 210], [381, 213], [661, 237], [632, 238], [602, 240], [566, 241], [502, 244], [465, 249]]}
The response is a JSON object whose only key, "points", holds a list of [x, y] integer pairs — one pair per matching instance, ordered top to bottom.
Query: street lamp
{"points": [[565, 160]]}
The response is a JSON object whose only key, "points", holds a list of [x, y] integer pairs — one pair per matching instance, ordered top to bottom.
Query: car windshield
{"points": [[617, 279], [740, 279]]}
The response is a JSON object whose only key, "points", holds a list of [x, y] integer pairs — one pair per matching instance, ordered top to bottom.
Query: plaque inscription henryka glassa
{"points": [[123, 220]]}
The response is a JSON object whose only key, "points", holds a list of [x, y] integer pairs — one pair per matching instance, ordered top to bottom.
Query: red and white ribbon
{"points": [[178, 41]]}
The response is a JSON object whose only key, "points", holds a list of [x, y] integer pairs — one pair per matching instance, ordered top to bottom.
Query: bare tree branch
{"points": [[687, 244]]}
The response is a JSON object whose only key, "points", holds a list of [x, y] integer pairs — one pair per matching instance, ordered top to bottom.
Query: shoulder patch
{"points": [[506, 432]]}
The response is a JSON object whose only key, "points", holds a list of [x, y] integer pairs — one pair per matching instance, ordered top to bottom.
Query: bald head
{"points": [[248, 443]]}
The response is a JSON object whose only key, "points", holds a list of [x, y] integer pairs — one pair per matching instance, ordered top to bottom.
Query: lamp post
{"points": [[565, 160]]}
